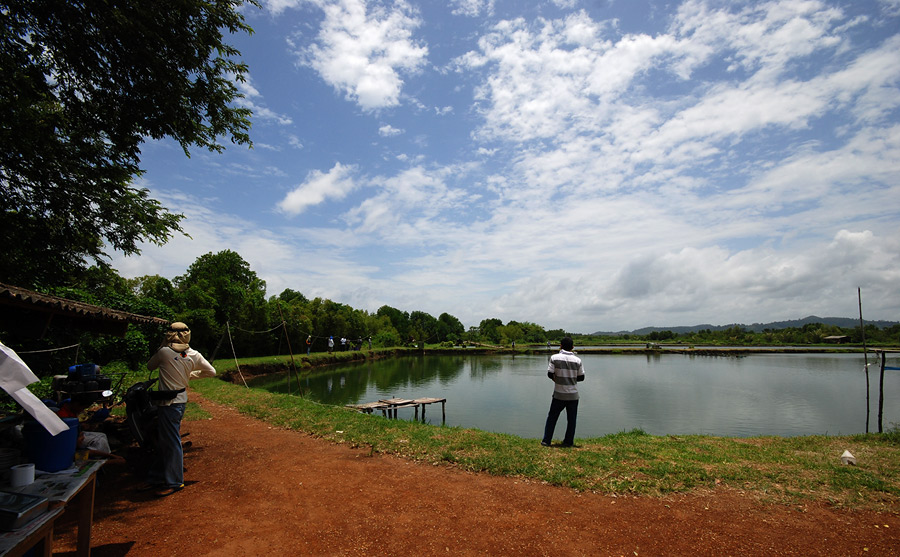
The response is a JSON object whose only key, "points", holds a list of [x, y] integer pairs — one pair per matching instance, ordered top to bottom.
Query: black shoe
{"points": [[545, 444], [568, 445]]}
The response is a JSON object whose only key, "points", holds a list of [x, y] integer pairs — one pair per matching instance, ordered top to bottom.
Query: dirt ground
{"points": [[257, 490]]}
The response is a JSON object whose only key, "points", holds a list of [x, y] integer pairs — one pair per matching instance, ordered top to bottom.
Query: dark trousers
{"points": [[556, 407], [168, 468]]}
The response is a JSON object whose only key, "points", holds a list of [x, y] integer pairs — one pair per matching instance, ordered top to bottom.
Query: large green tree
{"points": [[85, 82], [220, 289], [399, 319], [450, 328], [490, 329]]}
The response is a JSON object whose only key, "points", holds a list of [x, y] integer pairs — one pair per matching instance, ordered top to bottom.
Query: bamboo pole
{"points": [[862, 329]]}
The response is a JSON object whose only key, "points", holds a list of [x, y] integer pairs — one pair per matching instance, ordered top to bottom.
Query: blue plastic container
{"points": [[83, 371], [50, 453]]}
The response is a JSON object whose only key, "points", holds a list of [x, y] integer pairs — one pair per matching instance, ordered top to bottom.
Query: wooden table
{"points": [[71, 491], [37, 535]]}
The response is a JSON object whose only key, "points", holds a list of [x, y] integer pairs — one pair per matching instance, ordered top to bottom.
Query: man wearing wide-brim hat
{"points": [[178, 363]]}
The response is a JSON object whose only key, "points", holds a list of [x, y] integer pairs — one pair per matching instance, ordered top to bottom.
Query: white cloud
{"points": [[278, 6], [890, 7], [472, 8], [364, 49], [557, 78], [251, 100], [388, 130], [295, 142], [870, 158], [318, 188], [408, 207], [278, 256], [782, 283]]}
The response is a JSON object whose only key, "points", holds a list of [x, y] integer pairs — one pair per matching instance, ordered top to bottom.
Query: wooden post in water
{"points": [[862, 329], [881, 394]]}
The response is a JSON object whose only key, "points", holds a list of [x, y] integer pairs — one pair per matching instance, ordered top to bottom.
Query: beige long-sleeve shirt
{"points": [[176, 369]]}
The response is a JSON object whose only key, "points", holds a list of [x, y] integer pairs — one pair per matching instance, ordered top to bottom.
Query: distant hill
{"points": [[844, 322]]}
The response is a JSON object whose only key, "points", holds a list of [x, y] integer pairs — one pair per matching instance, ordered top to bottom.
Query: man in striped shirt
{"points": [[566, 371]]}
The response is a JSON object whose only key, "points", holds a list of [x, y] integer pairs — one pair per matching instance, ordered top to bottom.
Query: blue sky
{"points": [[588, 165]]}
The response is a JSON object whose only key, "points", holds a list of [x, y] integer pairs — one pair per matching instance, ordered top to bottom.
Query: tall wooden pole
{"points": [[862, 329], [288, 338], [881, 394]]}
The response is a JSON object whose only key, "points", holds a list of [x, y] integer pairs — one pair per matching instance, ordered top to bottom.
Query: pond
{"points": [[758, 394]]}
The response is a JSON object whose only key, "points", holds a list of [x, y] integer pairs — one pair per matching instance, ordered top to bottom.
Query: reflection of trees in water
{"points": [[481, 366], [348, 383]]}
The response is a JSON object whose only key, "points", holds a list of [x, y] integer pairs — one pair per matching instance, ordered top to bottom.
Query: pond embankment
{"points": [[321, 361]]}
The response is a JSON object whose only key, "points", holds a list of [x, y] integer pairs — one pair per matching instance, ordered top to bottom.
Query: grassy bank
{"points": [[269, 364], [786, 470]]}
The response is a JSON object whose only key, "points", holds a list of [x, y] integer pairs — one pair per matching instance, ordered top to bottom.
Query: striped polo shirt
{"points": [[566, 369]]}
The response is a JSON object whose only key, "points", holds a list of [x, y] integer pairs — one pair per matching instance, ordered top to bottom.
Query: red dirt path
{"points": [[257, 490]]}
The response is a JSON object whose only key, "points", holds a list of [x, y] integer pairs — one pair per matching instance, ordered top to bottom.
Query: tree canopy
{"points": [[86, 82], [223, 301]]}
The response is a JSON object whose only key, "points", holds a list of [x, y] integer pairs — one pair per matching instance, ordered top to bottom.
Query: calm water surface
{"points": [[759, 394]]}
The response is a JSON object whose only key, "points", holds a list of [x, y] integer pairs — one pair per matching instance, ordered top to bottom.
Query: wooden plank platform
{"points": [[389, 406], [368, 407]]}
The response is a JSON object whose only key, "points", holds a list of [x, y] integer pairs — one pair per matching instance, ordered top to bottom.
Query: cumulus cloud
{"points": [[363, 50], [388, 130], [318, 188], [408, 207], [279, 256]]}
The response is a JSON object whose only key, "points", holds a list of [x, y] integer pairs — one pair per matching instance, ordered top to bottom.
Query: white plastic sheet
{"points": [[15, 376]]}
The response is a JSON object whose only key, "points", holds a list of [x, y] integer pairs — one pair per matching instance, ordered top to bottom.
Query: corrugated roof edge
{"points": [[21, 297]]}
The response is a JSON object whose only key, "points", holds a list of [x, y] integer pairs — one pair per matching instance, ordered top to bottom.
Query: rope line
{"points": [[259, 332], [48, 350], [233, 353]]}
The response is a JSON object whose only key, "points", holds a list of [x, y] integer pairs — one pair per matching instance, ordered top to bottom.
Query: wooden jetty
{"points": [[389, 406]]}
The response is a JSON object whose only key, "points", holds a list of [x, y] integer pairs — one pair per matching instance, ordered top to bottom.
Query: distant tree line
{"points": [[224, 302], [810, 333]]}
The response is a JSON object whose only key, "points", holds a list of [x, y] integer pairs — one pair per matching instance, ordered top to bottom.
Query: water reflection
{"points": [[760, 394]]}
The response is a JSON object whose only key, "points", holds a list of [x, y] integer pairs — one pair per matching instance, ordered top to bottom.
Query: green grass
{"points": [[302, 361], [777, 469]]}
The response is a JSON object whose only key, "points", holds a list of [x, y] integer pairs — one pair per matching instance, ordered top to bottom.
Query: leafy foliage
{"points": [[85, 82]]}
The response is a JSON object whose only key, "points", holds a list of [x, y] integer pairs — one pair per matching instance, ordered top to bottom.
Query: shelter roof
{"points": [[22, 307]]}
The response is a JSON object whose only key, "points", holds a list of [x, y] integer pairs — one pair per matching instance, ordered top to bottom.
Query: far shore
{"points": [[251, 367]]}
